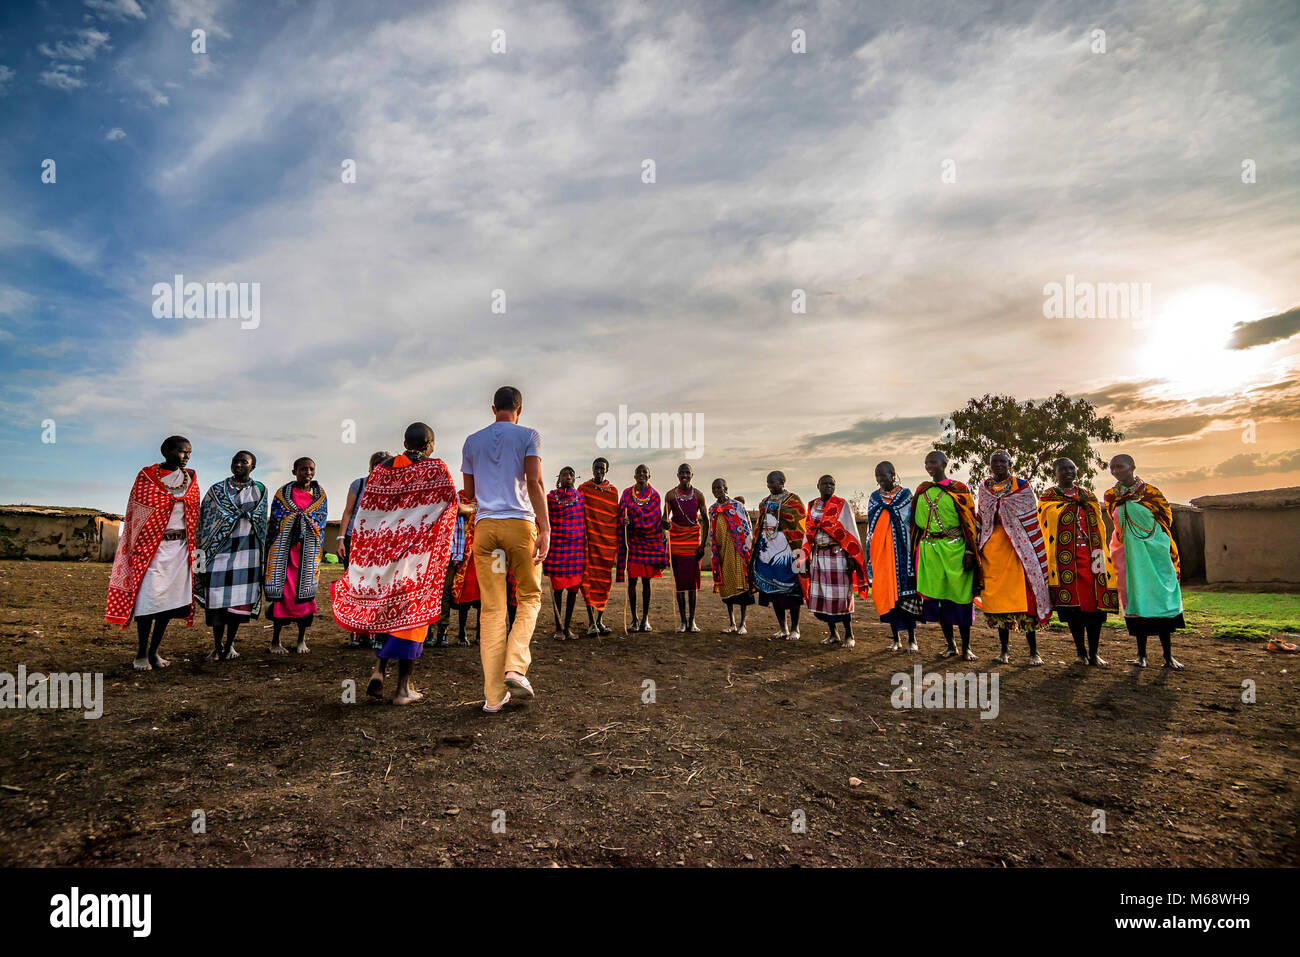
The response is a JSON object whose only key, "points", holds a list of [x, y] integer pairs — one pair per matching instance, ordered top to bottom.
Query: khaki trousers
{"points": [[501, 545]]}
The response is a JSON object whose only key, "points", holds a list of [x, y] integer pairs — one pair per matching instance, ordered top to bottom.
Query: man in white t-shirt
{"points": [[502, 469]]}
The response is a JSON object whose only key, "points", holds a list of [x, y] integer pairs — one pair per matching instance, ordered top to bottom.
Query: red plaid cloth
{"points": [[642, 542], [568, 554], [830, 586]]}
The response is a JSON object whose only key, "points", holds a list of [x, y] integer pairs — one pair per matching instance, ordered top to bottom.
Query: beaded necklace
{"points": [[176, 491], [1128, 522]]}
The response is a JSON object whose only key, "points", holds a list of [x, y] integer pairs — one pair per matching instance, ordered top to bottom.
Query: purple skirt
{"points": [[947, 612], [399, 648]]}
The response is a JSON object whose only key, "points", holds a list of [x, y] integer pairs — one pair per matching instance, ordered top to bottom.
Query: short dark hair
{"points": [[507, 399], [417, 436], [172, 442], [245, 452], [377, 457], [302, 458], [601, 458]]}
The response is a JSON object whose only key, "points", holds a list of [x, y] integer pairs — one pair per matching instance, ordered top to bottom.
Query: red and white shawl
{"points": [[148, 510], [1018, 511], [835, 517], [401, 542]]}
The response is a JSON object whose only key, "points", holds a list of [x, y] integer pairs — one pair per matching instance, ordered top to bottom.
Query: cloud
{"points": [[117, 9], [188, 14], [86, 45], [6, 74], [63, 76], [155, 97], [116, 133], [1263, 331], [1180, 426], [868, 431], [1257, 463]]}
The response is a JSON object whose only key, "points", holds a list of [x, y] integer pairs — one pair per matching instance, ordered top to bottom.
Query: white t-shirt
{"points": [[495, 457]]}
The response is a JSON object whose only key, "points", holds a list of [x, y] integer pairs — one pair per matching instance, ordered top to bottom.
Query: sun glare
{"points": [[1187, 342]]}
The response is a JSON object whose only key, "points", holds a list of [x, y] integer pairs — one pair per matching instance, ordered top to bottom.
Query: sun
{"points": [[1187, 342]]}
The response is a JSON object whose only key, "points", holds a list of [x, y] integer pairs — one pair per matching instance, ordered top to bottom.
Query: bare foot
{"points": [[645, 625], [694, 627], [681, 628], [729, 630], [742, 630], [781, 634], [557, 635], [794, 635], [570, 636], [830, 640], [849, 642], [896, 646], [913, 647], [302, 648], [278, 649], [948, 652], [231, 653], [215, 655], [970, 656], [1004, 658], [1035, 660], [1081, 660], [160, 662], [1099, 662], [1139, 662], [1174, 663], [142, 664], [375, 688], [410, 697]]}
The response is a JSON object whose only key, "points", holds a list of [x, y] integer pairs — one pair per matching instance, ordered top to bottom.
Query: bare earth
{"points": [[743, 733]]}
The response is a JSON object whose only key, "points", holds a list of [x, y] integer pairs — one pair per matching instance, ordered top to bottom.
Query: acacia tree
{"points": [[1035, 433]]}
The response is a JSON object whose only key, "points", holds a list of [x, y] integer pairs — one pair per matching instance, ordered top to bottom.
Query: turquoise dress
{"points": [[1150, 579]]}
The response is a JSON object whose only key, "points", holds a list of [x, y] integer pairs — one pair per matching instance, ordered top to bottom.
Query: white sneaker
{"points": [[520, 686], [491, 710]]}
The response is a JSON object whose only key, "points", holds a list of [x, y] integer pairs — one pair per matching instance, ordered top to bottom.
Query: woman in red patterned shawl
{"points": [[600, 520], [401, 544], [642, 551], [832, 557], [564, 562], [1080, 573], [152, 577]]}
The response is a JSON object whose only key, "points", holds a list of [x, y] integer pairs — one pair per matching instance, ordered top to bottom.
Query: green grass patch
{"points": [[1249, 616]]}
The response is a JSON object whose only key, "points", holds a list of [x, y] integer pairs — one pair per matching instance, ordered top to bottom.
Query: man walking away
{"points": [[502, 470]]}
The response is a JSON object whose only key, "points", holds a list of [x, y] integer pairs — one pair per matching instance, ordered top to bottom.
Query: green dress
{"points": [[939, 572], [1149, 577]]}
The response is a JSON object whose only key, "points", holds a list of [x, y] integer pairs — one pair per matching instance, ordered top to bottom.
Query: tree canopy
{"points": [[1035, 433]]}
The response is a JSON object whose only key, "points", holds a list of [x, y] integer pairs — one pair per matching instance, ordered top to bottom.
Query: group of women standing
{"points": [[226, 552], [932, 555], [928, 556]]}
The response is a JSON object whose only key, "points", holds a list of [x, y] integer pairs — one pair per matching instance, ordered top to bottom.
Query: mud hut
{"points": [[57, 533], [1252, 538]]}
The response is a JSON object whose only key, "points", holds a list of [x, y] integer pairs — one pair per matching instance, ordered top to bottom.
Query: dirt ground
{"points": [[745, 738]]}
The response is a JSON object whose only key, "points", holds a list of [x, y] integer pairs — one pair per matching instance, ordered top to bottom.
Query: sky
{"points": [[917, 174]]}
